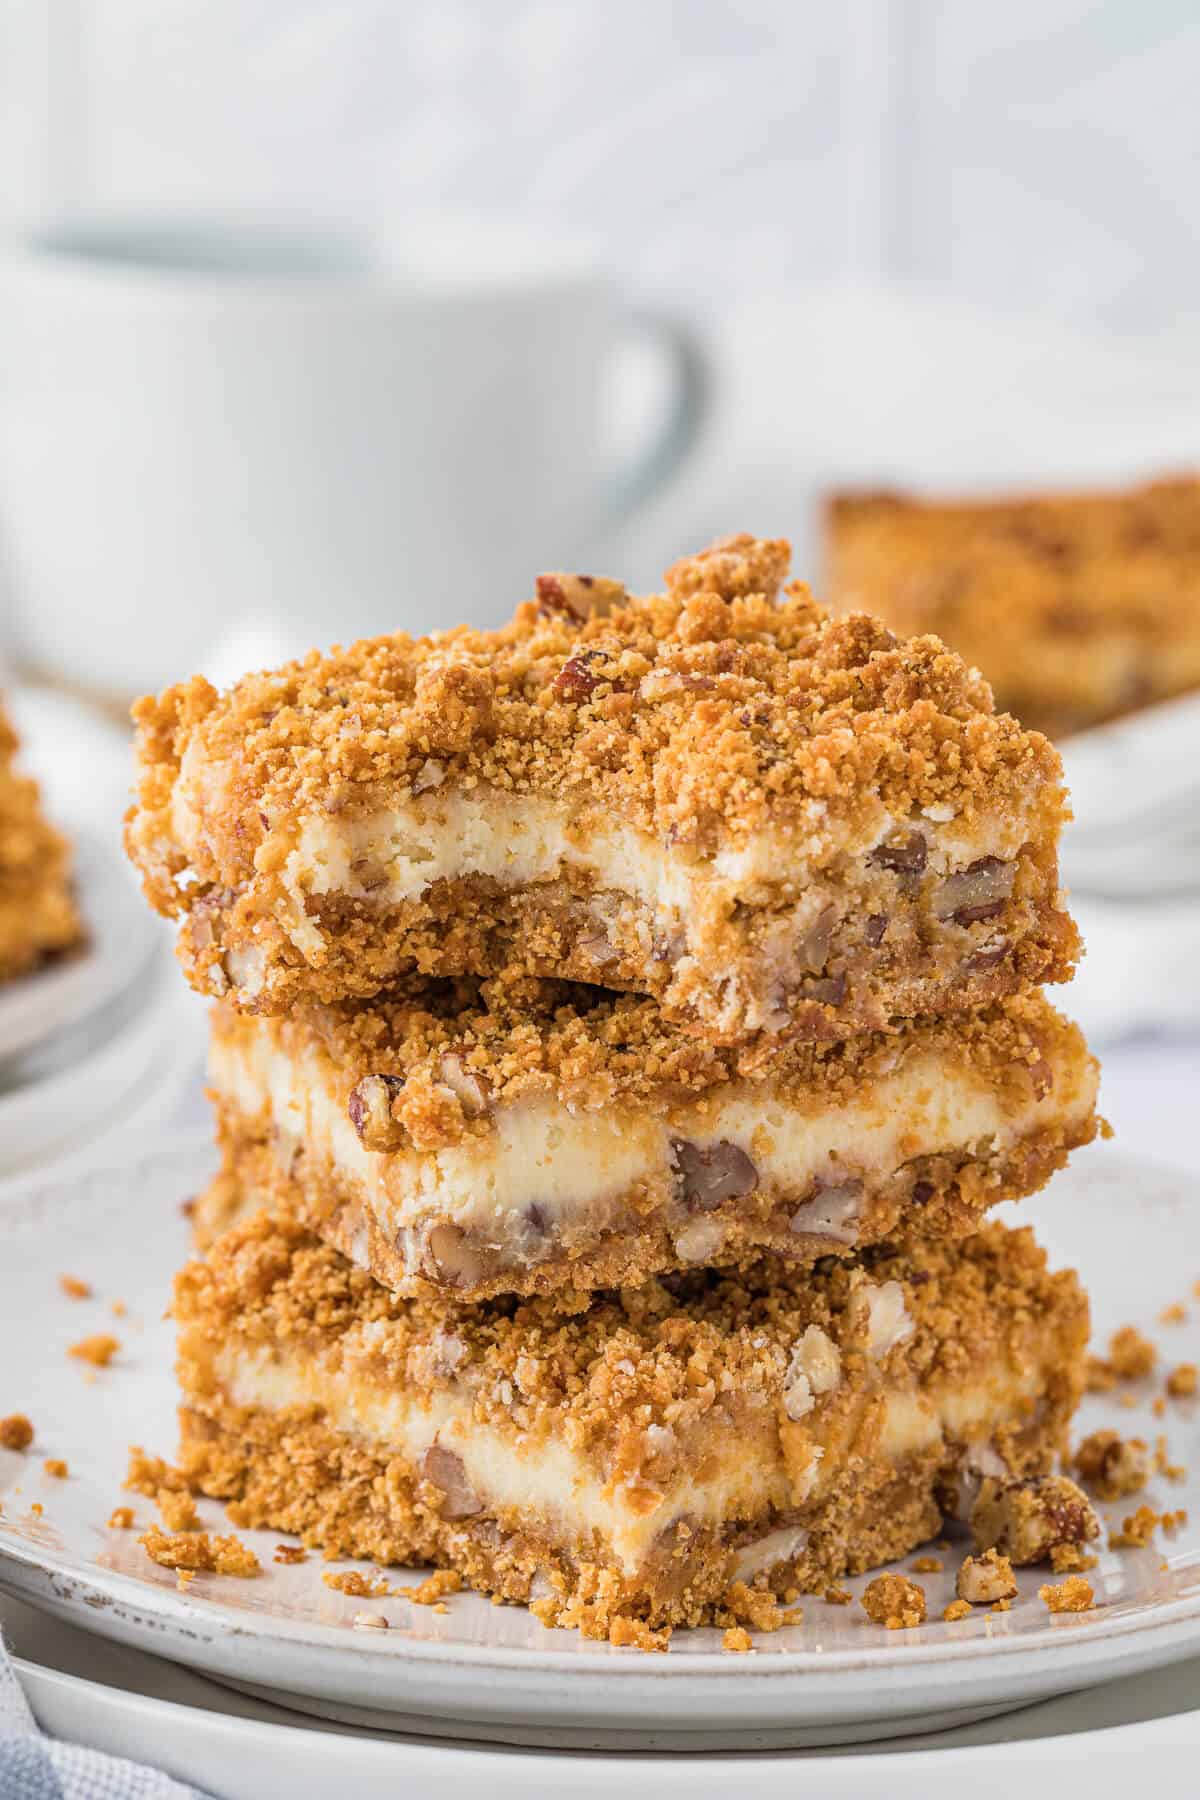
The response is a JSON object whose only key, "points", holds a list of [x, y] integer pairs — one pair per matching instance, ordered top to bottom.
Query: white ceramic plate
{"points": [[66, 994], [492, 1672], [1142, 1731]]}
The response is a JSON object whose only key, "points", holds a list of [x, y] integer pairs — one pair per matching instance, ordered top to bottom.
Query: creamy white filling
{"points": [[397, 853], [571, 1164], [543, 1479]]}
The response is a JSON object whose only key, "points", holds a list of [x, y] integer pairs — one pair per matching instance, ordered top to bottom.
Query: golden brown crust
{"points": [[1077, 607], [38, 916]]}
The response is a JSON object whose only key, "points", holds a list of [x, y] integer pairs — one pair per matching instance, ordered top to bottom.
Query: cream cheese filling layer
{"points": [[395, 854], [572, 1164], [544, 1481]]}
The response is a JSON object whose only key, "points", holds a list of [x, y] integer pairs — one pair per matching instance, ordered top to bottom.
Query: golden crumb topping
{"points": [[701, 715], [427, 1063]]}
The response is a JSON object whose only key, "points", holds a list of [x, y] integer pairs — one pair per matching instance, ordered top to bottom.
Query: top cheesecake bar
{"points": [[772, 821]]}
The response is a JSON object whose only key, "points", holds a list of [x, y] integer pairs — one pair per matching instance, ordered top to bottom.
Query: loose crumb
{"points": [[75, 1289], [119, 1309], [1175, 1314], [98, 1349], [1130, 1357], [1182, 1381], [1127, 1402], [1158, 1406], [16, 1432], [54, 1465], [1114, 1466], [165, 1485], [37, 1509], [121, 1518], [1174, 1521], [1136, 1531], [290, 1553], [202, 1554], [1066, 1559], [928, 1565], [985, 1578], [184, 1579], [438, 1585], [362, 1587], [1074, 1595], [836, 1596], [894, 1602], [1004, 1605], [957, 1609], [370, 1621], [627, 1634], [737, 1639]]}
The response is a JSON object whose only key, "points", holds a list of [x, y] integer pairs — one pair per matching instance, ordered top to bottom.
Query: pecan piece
{"points": [[578, 597], [577, 680], [906, 856], [976, 892], [470, 1089], [370, 1111], [723, 1171], [832, 1210], [453, 1260], [444, 1470], [1026, 1520]]}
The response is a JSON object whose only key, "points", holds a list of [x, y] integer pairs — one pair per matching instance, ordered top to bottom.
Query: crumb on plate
{"points": [[16, 1432], [1074, 1595], [894, 1602]]}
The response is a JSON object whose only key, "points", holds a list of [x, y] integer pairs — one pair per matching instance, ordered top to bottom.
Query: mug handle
{"points": [[660, 460]]}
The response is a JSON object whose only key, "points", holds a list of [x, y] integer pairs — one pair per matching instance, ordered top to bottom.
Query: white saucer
{"points": [[67, 993], [479, 1671]]}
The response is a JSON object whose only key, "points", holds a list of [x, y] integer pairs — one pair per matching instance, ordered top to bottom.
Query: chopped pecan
{"points": [[578, 597], [577, 680], [906, 856], [975, 893], [370, 1111], [722, 1171], [454, 1261], [444, 1470]]}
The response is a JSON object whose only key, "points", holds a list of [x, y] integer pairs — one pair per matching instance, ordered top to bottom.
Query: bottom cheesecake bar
{"points": [[633, 1455]]}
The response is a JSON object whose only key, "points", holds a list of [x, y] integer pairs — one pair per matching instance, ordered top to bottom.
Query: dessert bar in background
{"points": [[1076, 607], [772, 822], [38, 915], [483, 1138], [634, 1458]]}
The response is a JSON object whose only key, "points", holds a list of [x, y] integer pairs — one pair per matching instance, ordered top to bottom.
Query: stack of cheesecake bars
{"points": [[625, 1019]]}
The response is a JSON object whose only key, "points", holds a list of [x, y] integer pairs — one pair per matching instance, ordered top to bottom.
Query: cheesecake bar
{"points": [[1077, 607], [771, 821], [38, 915], [482, 1138], [638, 1455]]}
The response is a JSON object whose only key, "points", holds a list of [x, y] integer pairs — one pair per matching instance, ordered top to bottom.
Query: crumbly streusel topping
{"points": [[702, 715], [516, 1039], [612, 1370]]}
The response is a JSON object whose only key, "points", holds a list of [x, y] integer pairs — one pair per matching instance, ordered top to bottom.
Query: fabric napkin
{"points": [[33, 1767]]}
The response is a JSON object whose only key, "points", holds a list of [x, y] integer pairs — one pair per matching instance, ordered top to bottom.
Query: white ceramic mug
{"points": [[206, 429]]}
